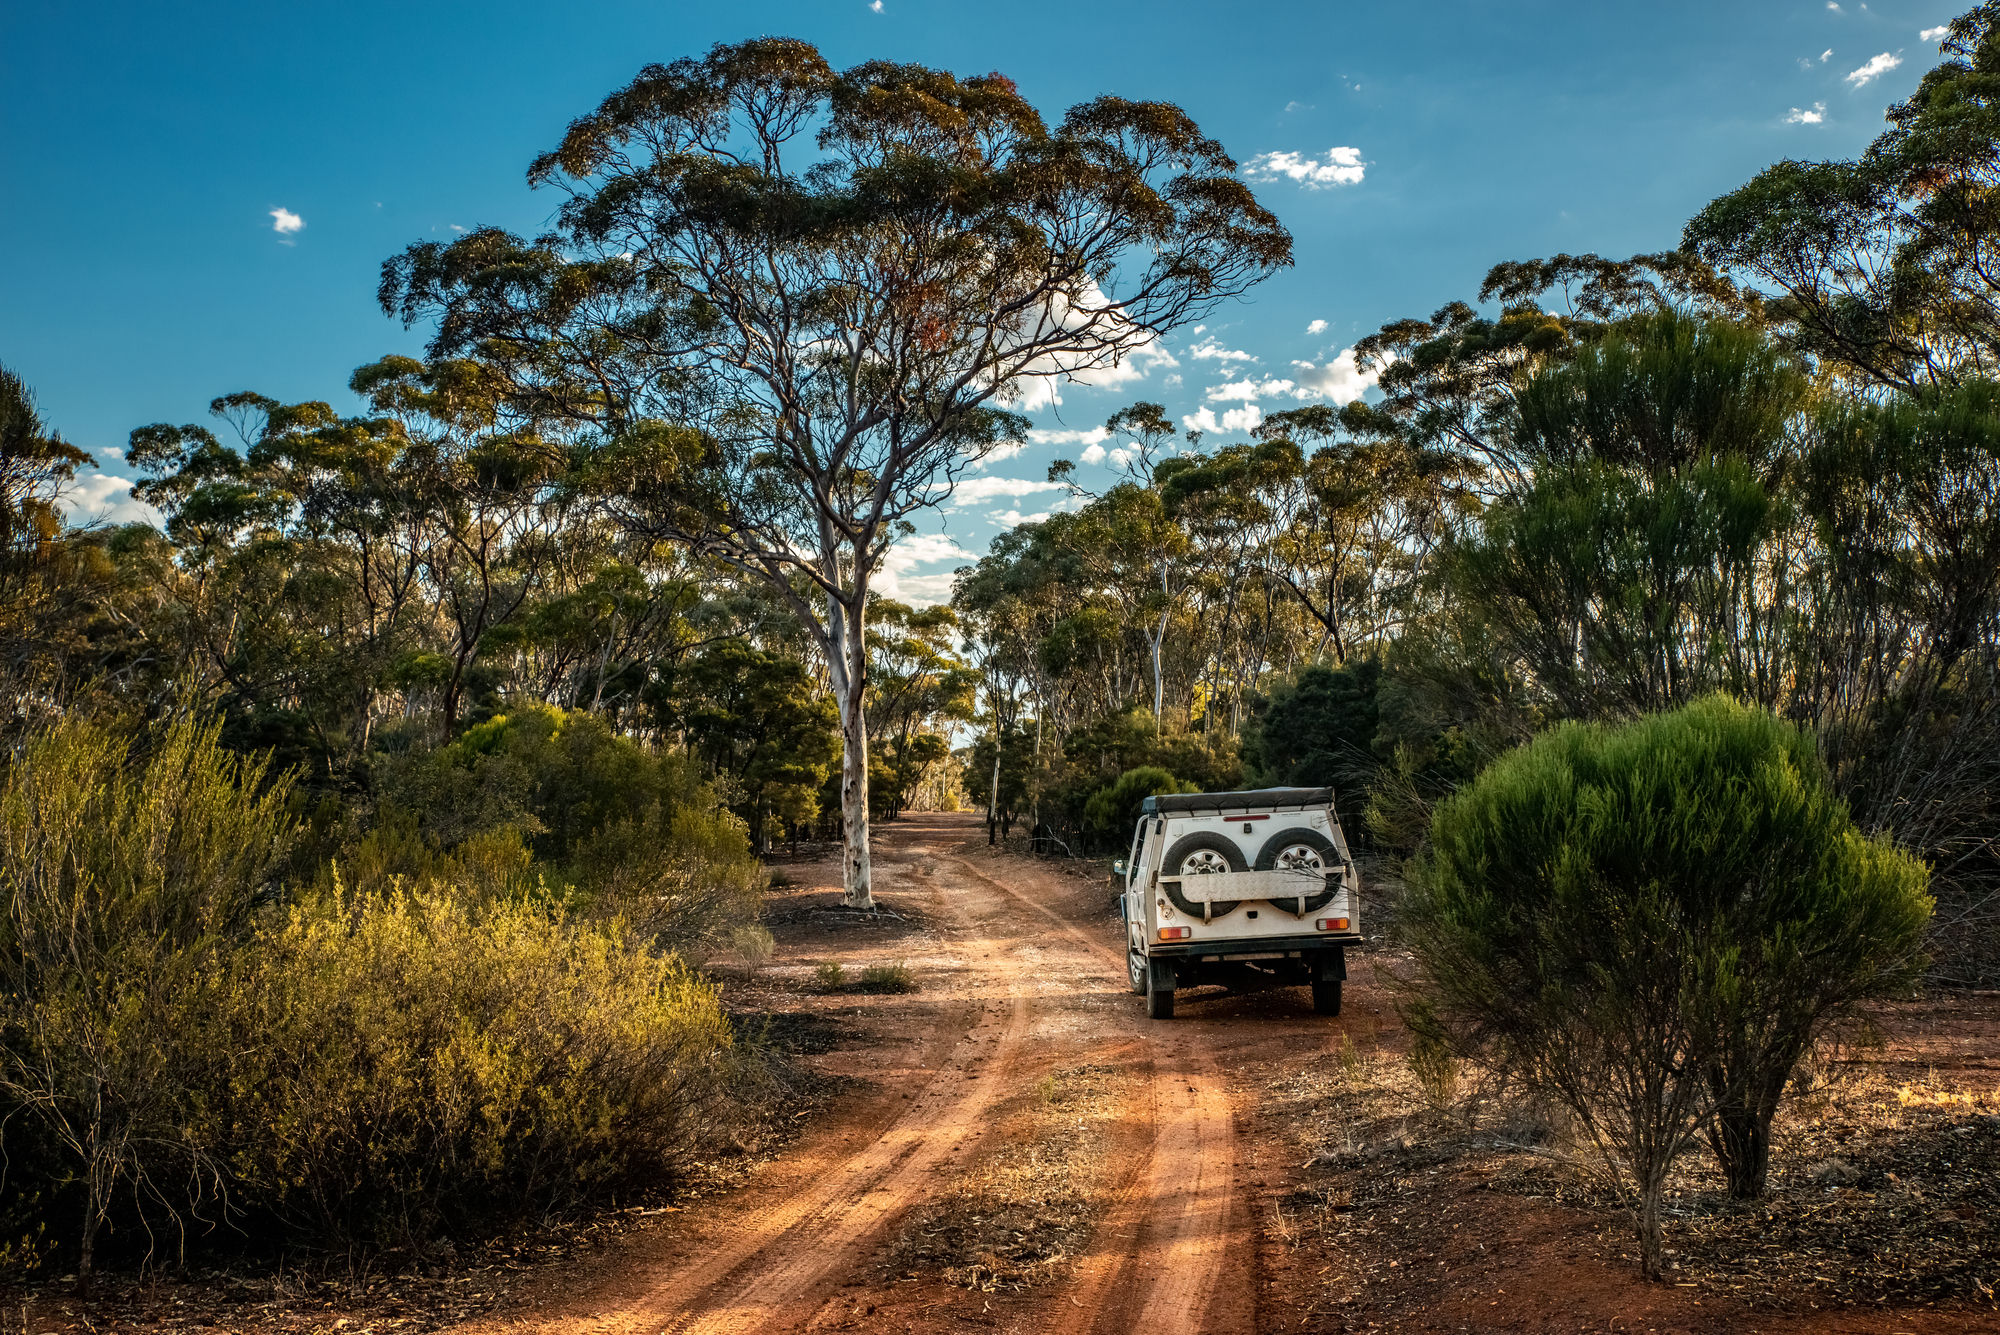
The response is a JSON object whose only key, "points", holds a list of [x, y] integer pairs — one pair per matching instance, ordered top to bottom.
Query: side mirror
{"points": [[1118, 869]]}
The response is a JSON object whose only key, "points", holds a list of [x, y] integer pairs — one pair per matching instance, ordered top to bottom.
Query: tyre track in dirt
{"points": [[1159, 1252], [1161, 1257], [769, 1266]]}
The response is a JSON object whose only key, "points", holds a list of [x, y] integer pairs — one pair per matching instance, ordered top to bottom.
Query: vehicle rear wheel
{"points": [[1306, 852], [1203, 853], [1326, 996]]}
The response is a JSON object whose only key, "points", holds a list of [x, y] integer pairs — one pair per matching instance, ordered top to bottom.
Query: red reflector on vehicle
{"points": [[1332, 924], [1176, 933]]}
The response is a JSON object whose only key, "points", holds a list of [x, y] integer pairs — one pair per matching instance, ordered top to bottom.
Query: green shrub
{"points": [[1317, 730], [556, 807], [1112, 811], [126, 889], [1652, 923], [828, 976], [886, 978], [449, 1049], [428, 1060]]}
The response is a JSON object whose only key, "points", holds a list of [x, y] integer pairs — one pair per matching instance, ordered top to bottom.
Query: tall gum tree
{"points": [[797, 302]]}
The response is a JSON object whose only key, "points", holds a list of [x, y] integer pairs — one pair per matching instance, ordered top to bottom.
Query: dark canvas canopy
{"points": [[1257, 799]]}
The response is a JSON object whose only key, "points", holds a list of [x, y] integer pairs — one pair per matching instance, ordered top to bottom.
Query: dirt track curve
{"points": [[1021, 967]]}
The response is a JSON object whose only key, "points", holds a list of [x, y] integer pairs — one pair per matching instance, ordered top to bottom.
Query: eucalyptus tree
{"points": [[1886, 266], [799, 301], [39, 569]]}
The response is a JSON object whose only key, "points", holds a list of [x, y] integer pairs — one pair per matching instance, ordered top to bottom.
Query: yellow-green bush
{"points": [[191, 1048], [426, 1058]]}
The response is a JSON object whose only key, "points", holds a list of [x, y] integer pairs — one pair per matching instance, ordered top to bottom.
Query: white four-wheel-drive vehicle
{"points": [[1244, 889]]}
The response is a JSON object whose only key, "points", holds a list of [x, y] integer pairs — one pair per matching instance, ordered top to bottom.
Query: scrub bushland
{"points": [[203, 1047]]}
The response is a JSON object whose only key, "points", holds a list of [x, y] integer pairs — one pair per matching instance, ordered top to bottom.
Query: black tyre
{"points": [[1307, 852], [1202, 853], [1135, 965], [1326, 996], [1159, 1000]]}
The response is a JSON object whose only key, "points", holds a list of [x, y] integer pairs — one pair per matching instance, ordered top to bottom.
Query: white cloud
{"points": [[1830, 4], [875, 6], [1936, 34], [1826, 55], [1876, 67], [1813, 117], [1343, 166], [284, 222], [1316, 327], [1208, 350], [1340, 380], [1039, 383], [1251, 389], [1246, 418], [1066, 435], [1006, 449], [1092, 454], [1122, 456], [972, 490], [103, 499], [1014, 518], [897, 578]]}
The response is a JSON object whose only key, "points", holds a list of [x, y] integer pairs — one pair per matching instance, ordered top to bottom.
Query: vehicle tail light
{"points": [[1333, 924], [1176, 933]]}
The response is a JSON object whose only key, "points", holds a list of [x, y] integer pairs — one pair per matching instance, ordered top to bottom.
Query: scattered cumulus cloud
{"points": [[875, 6], [1833, 6], [1936, 34], [1826, 55], [1876, 67], [1797, 116], [1341, 166], [286, 223], [1316, 327], [1208, 350], [1341, 380], [1040, 383], [1252, 388], [1246, 418], [1066, 435], [1006, 449], [1093, 453], [973, 490], [100, 498], [1014, 518], [898, 578]]}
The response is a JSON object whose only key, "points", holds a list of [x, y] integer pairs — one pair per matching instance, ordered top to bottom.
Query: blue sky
{"points": [[147, 149]]}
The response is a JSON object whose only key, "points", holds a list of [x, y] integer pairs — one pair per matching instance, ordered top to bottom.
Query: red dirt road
{"points": [[1021, 975]]}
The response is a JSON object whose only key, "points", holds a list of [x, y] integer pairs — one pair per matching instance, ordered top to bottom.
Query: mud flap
{"points": [[1330, 966]]}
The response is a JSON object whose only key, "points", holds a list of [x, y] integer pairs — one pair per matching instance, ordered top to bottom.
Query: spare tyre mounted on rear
{"points": [[1202, 853], [1310, 854]]}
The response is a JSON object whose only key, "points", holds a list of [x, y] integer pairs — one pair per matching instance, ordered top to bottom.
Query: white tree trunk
{"points": [[848, 667], [1159, 678]]}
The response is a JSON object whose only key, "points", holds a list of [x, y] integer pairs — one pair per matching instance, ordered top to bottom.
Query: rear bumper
{"points": [[1251, 945]]}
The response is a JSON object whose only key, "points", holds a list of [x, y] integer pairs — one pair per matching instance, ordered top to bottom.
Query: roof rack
{"points": [[1255, 799]]}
